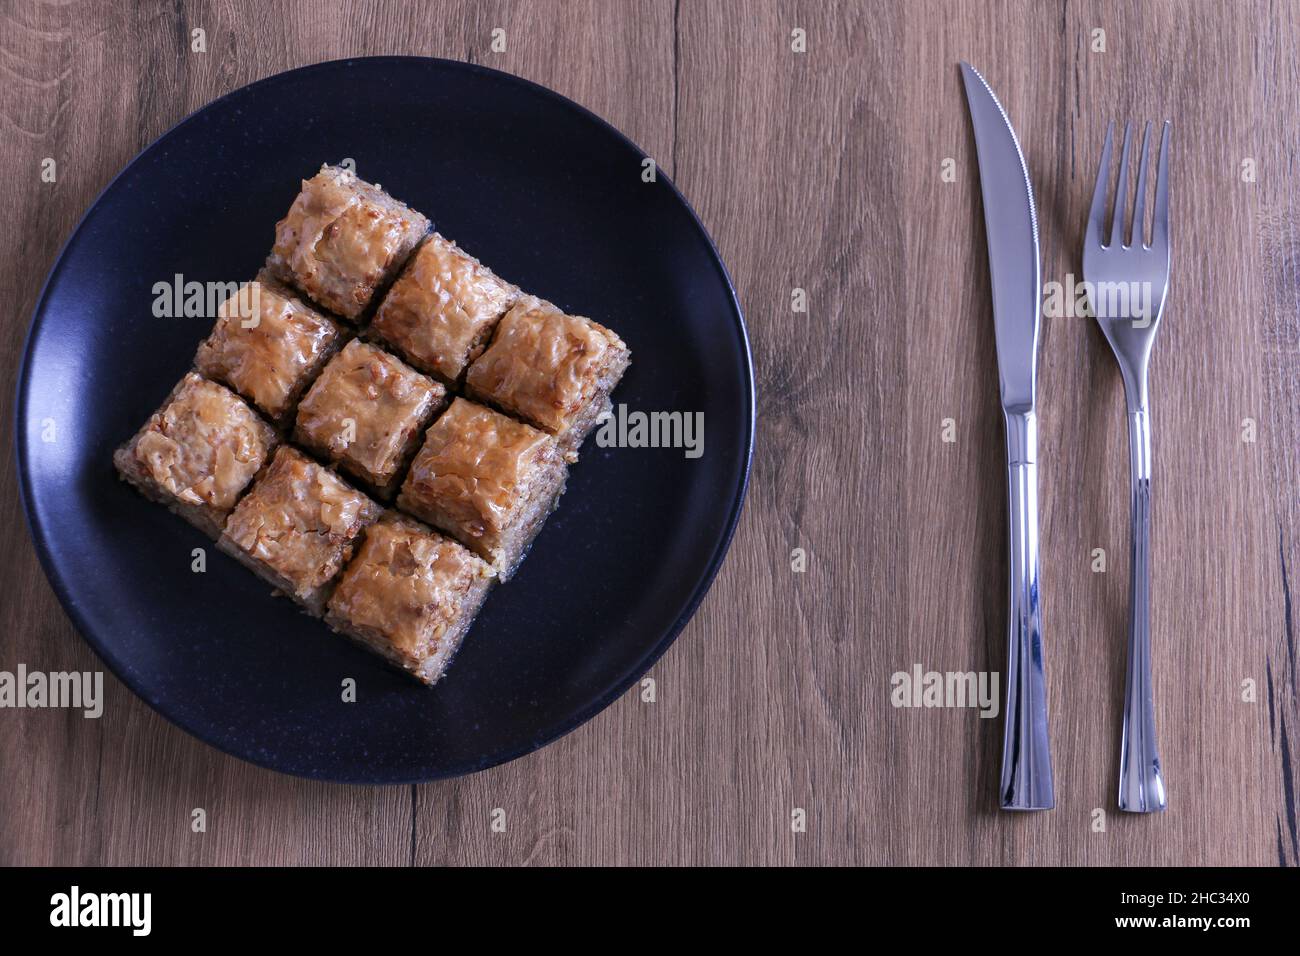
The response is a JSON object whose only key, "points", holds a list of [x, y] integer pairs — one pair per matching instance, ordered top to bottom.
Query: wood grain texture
{"points": [[819, 171]]}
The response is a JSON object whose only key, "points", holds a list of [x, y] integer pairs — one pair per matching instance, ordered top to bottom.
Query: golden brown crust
{"points": [[343, 239], [442, 309], [265, 345], [548, 368], [366, 411], [201, 448], [472, 467], [481, 476], [299, 521], [410, 594]]}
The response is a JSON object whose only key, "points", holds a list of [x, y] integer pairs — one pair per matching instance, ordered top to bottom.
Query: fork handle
{"points": [[1026, 755], [1141, 782]]}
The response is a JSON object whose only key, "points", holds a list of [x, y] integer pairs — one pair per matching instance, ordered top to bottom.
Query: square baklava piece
{"points": [[343, 240], [440, 313], [268, 345], [553, 370], [366, 412], [198, 452], [487, 480], [297, 527], [409, 595]]}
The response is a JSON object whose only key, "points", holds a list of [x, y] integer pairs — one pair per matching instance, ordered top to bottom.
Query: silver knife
{"points": [[1012, 228]]}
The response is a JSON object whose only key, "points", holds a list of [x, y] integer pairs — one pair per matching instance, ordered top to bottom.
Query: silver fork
{"points": [[1127, 285]]}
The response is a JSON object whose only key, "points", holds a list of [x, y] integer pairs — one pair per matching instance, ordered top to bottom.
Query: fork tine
{"points": [[1121, 191], [1097, 216], [1160, 222], [1138, 234]]}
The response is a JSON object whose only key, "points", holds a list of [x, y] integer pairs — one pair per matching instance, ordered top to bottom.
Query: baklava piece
{"points": [[343, 240], [440, 313], [268, 345], [553, 370], [366, 412], [198, 452], [487, 480], [297, 527], [410, 595]]}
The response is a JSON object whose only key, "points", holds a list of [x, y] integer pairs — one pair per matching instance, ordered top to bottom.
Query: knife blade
{"points": [[1011, 225]]}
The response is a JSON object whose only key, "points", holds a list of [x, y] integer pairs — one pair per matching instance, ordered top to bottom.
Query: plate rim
{"points": [[65, 594]]}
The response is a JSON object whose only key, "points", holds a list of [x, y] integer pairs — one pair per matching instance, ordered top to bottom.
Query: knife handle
{"points": [[1026, 753]]}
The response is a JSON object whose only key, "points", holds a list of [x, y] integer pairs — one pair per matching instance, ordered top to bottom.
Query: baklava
{"points": [[343, 240], [441, 311], [268, 345], [553, 370], [292, 384], [365, 413], [198, 452], [487, 480], [297, 527], [409, 595]]}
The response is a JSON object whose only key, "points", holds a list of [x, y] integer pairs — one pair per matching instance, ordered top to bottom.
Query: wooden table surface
{"points": [[820, 170]]}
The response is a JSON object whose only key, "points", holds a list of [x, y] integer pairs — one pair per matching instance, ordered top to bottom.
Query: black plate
{"points": [[552, 198]]}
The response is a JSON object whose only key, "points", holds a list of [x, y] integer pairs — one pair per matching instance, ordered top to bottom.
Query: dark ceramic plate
{"points": [[549, 196]]}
